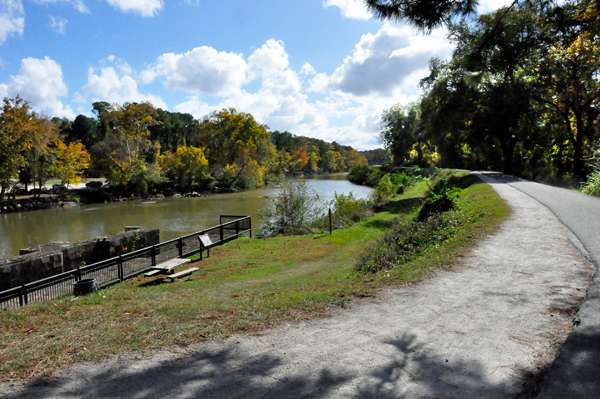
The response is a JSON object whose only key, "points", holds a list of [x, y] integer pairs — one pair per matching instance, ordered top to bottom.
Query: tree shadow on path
{"points": [[410, 371]]}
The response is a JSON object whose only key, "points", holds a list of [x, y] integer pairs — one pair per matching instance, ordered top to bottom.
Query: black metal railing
{"points": [[119, 268]]}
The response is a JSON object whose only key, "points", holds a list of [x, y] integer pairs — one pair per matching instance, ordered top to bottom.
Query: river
{"points": [[173, 216]]}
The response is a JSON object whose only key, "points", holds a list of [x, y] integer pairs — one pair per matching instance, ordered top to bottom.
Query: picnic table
{"points": [[167, 266]]}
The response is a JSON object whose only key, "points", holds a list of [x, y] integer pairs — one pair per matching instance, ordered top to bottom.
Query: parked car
{"points": [[94, 184], [57, 188], [18, 189], [42, 190]]}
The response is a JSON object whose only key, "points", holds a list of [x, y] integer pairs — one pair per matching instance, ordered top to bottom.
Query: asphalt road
{"points": [[576, 371]]}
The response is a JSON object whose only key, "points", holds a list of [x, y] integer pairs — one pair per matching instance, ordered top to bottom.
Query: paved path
{"points": [[477, 331], [576, 372]]}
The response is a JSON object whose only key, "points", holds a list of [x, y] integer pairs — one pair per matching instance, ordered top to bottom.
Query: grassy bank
{"points": [[244, 286]]}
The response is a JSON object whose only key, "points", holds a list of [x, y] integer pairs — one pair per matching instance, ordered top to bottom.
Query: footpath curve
{"points": [[478, 330], [576, 371]]}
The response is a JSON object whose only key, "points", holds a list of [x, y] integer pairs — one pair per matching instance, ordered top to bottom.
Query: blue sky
{"points": [[318, 68]]}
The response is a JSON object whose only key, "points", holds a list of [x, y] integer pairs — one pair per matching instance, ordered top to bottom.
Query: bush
{"points": [[365, 175], [402, 180], [592, 185], [384, 190], [441, 198], [295, 209], [349, 209], [404, 242]]}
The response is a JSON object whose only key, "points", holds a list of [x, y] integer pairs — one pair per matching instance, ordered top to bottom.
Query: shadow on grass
{"points": [[405, 206], [155, 282], [410, 369]]}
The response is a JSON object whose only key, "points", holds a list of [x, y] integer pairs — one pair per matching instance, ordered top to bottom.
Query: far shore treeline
{"points": [[140, 149]]}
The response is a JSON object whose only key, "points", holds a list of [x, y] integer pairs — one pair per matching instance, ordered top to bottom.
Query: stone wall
{"points": [[50, 259]]}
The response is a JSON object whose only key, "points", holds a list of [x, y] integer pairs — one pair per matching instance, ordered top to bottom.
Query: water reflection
{"points": [[173, 216]]}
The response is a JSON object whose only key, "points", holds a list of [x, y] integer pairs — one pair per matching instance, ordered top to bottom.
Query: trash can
{"points": [[84, 286]]}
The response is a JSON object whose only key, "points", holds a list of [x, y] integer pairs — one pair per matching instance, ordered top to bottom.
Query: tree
{"points": [[423, 14], [569, 83], [19, 125], [401, 129], [84, 130], [236, 146], [41, 154], [127, 155], [71, 160], [187, 165]]}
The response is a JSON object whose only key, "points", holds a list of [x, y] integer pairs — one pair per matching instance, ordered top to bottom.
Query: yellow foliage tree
{"points": [[19, 125], [71, 161], [187, 165]]}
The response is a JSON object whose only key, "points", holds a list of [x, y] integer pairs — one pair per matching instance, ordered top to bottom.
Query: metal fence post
{"points": [[329, 220], [250, 226], [237, 228], [221, 232], [180, 245], [153, 255], [120, 267], [78, 274], [24, 291], [21, 296]]}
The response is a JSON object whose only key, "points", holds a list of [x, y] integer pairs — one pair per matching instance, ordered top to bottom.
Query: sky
{"points": [[316, 68]]}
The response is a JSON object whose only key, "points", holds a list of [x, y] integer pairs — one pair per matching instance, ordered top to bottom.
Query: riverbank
{"points": [[245, 286]]}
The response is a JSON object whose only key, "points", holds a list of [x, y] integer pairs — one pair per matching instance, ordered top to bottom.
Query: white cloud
{"points": [[78, 4], [145, 8], [353, 9], [12, 19], [58, 24], [269, 59], [270, 63], [384, 63], [307, 69], [202, 70], [41, 83], [115, 85], [195, 107]]}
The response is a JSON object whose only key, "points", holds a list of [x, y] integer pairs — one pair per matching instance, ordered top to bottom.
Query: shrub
{"points": [[363, 174], [402, 180], [592, 185], [384, 190], [441, 198], [348, 208], [295, 209], [404, 242]]}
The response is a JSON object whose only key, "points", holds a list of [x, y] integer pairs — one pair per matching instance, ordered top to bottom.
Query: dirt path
{"points": [[476, 331]]}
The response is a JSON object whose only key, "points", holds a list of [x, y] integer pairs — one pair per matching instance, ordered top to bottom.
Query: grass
{"points": [[245, 286]]}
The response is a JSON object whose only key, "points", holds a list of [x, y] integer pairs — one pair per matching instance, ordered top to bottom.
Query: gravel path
{"points": [[476, 331]]}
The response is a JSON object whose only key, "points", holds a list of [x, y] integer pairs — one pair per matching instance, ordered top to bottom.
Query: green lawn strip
{"points": [[246, 285]]}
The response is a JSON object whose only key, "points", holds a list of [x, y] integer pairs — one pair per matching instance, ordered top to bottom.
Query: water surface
{"points": [[173, 216]]}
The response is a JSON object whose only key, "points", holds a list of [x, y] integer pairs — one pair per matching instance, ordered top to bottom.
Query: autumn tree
{"points": [[19, 126], [236, 147], [41, 154], [127, 156], [71, 161], [187, 165]]}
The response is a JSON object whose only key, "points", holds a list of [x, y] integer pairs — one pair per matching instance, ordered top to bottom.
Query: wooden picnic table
{"points": [[167, 266]]}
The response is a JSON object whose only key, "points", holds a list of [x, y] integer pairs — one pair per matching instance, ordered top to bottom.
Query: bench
{"points": [[167, 266], [183, 273]]}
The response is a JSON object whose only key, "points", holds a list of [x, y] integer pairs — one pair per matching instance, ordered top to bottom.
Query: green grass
{"points": [[246, 285]]}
